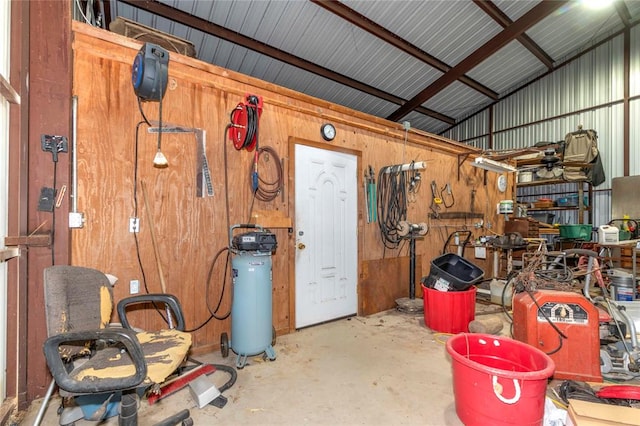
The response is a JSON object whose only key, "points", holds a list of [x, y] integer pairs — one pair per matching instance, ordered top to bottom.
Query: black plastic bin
{"points": [[451, 272]]}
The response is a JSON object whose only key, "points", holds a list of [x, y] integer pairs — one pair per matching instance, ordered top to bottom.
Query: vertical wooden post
{"points": [[50, 65]]}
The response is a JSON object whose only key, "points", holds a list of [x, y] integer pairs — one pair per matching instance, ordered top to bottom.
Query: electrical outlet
{"points": [[134, 224], [480, 252], [134, 287]]}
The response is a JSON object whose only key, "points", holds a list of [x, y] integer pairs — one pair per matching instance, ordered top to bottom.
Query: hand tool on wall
{"points": [[415, 178], [365, 190], [370, 194], [447, 194], [373, 195], [436, 201]]}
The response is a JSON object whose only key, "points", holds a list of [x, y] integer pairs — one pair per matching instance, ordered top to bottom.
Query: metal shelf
{"points": [[547, 182], [581, 208], [584, 209]]}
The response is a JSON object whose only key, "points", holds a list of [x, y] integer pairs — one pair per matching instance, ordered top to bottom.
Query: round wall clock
{"points": [[328, 132], [502, 183]]}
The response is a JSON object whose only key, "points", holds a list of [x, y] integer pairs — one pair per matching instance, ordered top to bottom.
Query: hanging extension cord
{"points": [[267, 190]]}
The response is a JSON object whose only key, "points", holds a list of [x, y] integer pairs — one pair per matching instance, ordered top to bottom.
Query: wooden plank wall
{"points": [[192, 230]]}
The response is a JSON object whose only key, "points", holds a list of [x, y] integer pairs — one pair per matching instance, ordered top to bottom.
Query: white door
{"points": [[326, 235]]}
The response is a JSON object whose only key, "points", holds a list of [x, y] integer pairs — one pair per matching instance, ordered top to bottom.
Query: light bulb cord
{"points": [[159, 106]]}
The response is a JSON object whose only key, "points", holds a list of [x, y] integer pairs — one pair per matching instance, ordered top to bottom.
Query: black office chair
{"points": [[104, 368]]}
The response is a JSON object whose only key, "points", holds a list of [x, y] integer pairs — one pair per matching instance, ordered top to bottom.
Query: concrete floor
{"points": [[382, 369]]}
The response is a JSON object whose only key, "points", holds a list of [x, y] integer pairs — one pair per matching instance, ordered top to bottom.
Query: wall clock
{"points": [[328, 132], [502, 183]]}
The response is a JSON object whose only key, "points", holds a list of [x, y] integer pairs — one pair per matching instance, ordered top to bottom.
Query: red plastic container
{"points": [[449, 311], [497, 380]]}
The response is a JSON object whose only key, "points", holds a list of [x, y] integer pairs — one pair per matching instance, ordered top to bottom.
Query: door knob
{"points": [[301, 246]]}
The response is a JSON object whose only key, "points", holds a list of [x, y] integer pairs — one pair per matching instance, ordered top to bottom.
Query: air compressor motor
{"points": [[254, 241]]}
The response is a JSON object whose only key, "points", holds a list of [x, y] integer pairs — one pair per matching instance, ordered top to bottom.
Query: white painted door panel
{"points": [[326, 235]]}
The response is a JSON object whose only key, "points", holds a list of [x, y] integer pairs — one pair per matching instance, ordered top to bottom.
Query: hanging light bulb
{"points": [[149, 77], [160, 161]]}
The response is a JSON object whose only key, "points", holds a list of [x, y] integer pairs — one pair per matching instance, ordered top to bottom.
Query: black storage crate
{"points": [[451, 272]]}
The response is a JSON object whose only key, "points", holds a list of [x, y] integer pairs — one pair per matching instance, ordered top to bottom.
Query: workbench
{"points": [[618, 246]]}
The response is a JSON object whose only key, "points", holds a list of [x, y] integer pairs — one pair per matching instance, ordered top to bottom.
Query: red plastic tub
{"points": [[449, 311], [497, 380]]}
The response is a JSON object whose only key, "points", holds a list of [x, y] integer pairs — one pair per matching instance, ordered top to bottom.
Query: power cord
{"points": [[415, 179], [268, 190], [50, 198], [392, 204], [135, 210], [53, 215], [510, 277], [213, 312], [561, 335]]}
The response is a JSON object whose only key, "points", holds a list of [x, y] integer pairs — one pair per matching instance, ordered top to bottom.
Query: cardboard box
{"points": [[583, 413]]}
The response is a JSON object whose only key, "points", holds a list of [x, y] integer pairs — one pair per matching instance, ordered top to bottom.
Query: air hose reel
{"points": [[243, 130]]}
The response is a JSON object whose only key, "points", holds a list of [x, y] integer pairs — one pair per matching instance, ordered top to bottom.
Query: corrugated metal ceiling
{"points": [[442, 60]]}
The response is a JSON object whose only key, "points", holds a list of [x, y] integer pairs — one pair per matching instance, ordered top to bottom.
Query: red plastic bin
{"points": [[449, 311], [498, 381]]}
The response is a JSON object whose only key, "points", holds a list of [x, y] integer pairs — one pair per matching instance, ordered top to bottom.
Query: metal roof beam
{"points": [[623, 13], [501, 18], [529, 19], [215, 30], [382, 33]]}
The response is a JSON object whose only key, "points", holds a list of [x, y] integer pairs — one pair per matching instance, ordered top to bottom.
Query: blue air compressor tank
{"points": [[251, 309]]}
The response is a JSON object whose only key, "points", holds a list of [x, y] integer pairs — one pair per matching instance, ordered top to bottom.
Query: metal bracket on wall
{"points": [[461, 159], [204, 186], [457, 215]]}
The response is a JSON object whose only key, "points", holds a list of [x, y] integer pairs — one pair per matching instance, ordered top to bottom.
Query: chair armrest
{"points": [[167, 299], [119, 335]]}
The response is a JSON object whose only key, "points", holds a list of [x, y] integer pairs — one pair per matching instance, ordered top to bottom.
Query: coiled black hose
{"points": [[268, 190], [392, 204]]}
